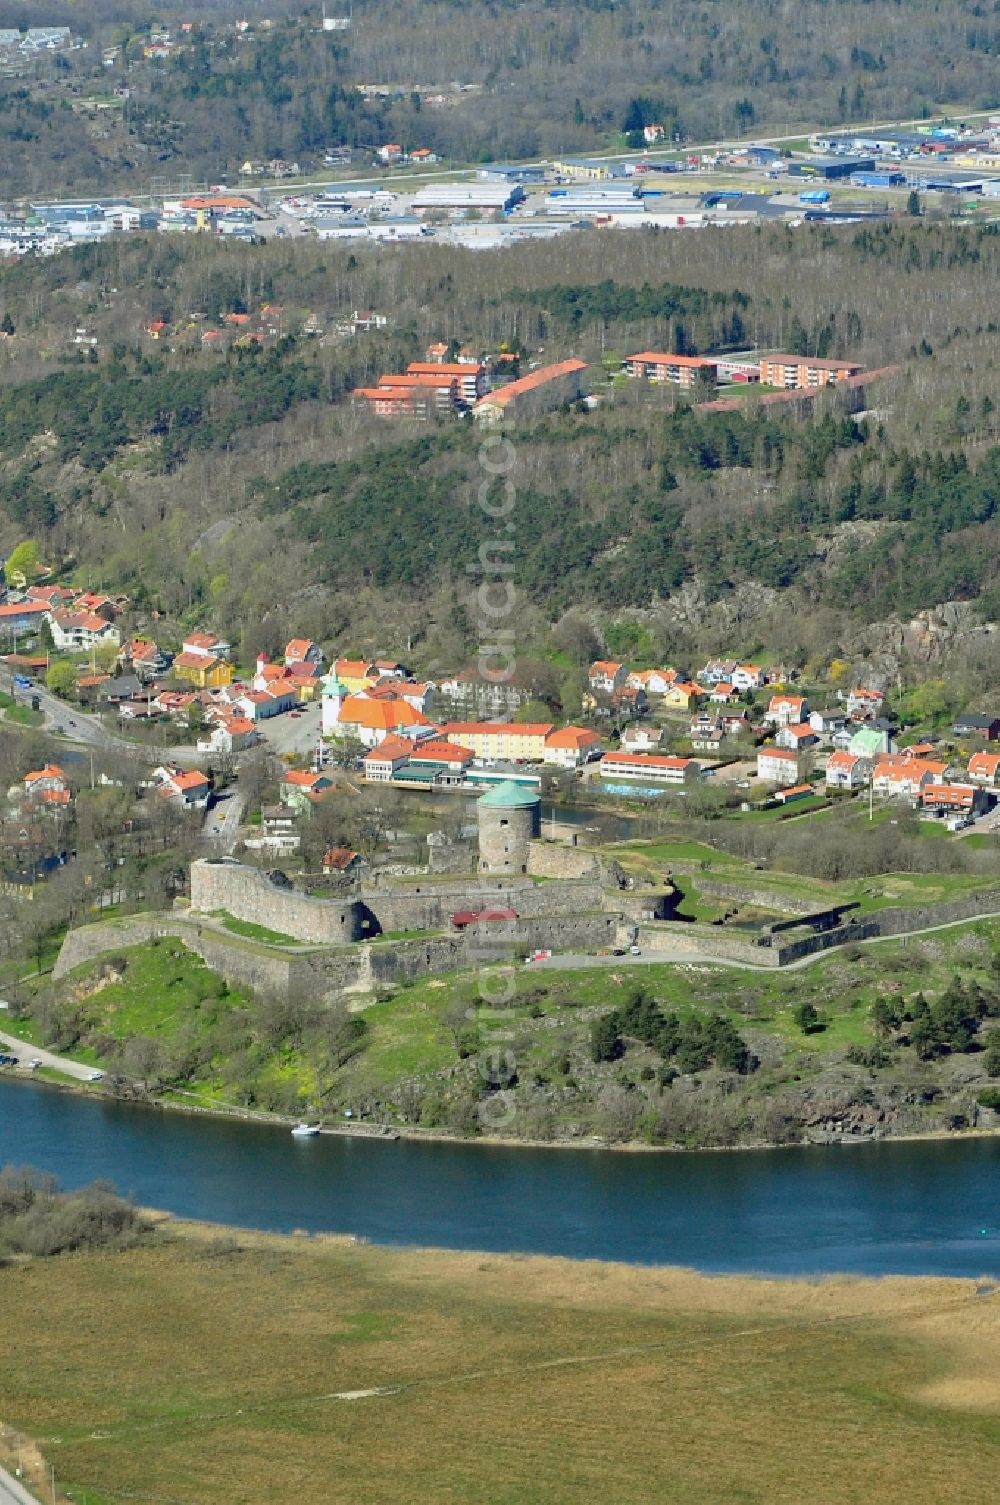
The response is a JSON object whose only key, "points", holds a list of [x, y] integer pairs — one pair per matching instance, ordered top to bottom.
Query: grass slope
{"points": [[209, 1370]]}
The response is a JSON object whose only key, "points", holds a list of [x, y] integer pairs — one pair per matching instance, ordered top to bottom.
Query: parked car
{"points": [[35, 1062], [96, 1076]]}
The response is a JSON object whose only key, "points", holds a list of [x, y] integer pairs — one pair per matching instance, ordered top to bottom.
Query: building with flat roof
{"points": [[829, 169], [487, 198]]}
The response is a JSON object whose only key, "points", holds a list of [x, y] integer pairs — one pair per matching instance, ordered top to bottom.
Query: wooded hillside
{"points": [[541, 77], [240, 482]]}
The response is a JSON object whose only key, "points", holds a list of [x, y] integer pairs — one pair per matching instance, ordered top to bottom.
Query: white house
{"points": [[81, 630], [206, 645], [303, 651], [607, 676], [746, 677], [787, 710], [231, 734], [639, 736], [799, 738], [570, 746], [779, 765], [846, 770], [906, 778], [188, 787]]}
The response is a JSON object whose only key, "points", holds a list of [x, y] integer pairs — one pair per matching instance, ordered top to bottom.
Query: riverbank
{"points": [[725, 1059], [413, 1134], [394, 1375]]}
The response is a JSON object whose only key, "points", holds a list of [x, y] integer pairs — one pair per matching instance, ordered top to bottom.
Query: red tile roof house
{"points": [[23, 616], [82, 629], [303, 651], [607, 675], [261, 705], [785, 709], [798, 737], [570, 746], [381, 763], [984, 767], [845, 770], [906, 778], [43, 782], [189, 787], [299, 788], [797, 792], [957, 799], [340, 860]]}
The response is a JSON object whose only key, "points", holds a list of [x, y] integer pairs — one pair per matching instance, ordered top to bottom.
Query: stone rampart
{"points": [[552, 859], [749, 893], [249, 895], [430, 906], [678, 938], [247, 965]]}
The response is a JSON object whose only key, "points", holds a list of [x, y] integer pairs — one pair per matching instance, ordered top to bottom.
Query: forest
{"points": [[538, 77], [227, 484]]}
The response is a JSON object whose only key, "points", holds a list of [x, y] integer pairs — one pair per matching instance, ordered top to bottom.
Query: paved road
{"points": [[408, 178], [77, 726], [222, 821], [26, 1052], [12, 1492]]}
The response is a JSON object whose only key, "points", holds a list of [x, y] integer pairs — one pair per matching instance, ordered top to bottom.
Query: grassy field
{"points": [[159, 989], [209, 1369]]}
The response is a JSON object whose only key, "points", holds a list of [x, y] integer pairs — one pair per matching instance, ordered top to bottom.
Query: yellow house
{"points": [[203, 670], [355, 673], [683, 695], [506, 740]]}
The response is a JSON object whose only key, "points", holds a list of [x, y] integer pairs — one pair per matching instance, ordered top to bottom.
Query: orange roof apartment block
{"points": [[678, 370], [804, 371], [540, 391]]}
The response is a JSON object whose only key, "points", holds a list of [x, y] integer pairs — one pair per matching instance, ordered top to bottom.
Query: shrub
{"points": [[36, 1218]]}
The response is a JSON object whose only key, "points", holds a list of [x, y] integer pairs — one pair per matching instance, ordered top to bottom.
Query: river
{"points": [[923, 1207]]}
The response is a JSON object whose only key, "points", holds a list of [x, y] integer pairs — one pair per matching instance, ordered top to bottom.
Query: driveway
{"points": [[26, 1053]]}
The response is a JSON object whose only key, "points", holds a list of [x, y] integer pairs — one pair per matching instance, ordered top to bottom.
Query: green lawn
{"points": [[23, 715], [257, 932], [161, 989]]}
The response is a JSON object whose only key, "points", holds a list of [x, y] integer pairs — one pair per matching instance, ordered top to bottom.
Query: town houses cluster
{"points": [[653, 727]]}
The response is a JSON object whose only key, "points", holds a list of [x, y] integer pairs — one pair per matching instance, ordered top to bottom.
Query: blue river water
{"points": [[923, 1207]]}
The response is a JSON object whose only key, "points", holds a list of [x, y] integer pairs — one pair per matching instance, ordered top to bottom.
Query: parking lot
{"points": [[295, 733]]}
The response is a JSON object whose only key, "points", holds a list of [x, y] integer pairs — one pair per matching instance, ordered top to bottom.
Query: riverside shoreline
{"points": [[415, 1135]]}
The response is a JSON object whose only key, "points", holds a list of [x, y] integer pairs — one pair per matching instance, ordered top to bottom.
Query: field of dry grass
{"points": [[209, 1369]]}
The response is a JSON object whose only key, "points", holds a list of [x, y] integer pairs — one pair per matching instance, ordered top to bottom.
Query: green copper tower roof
{"points": [[510, 796]]}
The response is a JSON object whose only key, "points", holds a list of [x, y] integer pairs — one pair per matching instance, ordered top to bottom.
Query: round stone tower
{"points": [[509, 817]]}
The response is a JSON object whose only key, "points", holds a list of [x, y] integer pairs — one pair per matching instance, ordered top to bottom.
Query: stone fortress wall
{"points": [[251, 896]]}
